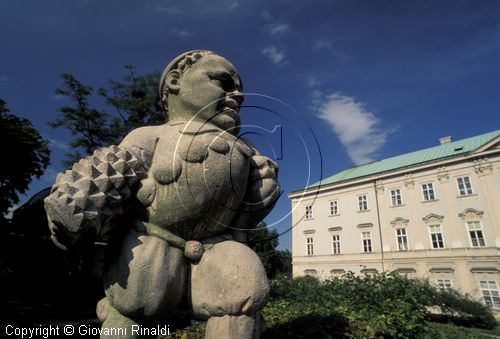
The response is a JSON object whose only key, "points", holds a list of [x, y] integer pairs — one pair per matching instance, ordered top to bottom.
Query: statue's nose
{"points": [[237, 96]]}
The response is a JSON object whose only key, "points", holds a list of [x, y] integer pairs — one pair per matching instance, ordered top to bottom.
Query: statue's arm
{"points": [[142, 140], [263, 191], [85, 199]]}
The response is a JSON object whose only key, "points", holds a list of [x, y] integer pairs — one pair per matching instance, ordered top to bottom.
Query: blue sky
{"points": [[356, 80]]}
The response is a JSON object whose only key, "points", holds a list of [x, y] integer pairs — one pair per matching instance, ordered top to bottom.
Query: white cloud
{"points": [[233, 5], [172, 10], [265, 15], [276, 29], [181, 33], [326, 44], [277, 56], [3, 78], [312, 81], [357, 128], [59, 144]]}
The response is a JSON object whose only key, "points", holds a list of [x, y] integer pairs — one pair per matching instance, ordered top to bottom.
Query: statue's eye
{"points": [[223, 80]]}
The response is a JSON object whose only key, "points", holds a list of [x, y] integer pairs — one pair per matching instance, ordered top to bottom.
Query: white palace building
{"points": [[433, 213]]}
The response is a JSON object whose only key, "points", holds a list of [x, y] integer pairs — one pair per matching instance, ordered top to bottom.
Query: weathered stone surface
{"points": [[167, 192], [237, 287]]}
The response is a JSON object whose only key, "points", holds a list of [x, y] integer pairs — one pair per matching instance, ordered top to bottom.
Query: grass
{"points": [[439, 330], [434, 331]]}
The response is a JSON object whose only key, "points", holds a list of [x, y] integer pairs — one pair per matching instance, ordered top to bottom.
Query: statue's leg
{"points": [[145, 283], [229, 287], [114, 324]]}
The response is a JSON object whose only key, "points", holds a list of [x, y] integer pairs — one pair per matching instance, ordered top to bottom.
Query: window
{"points": [[464, 186], [428, 192], [396, 197], [362, 203], [334, 207], [309, 212], [476, 234], [436, 236], [402, 239], [367, 242], [336, 244], [310, 246], [443, 283], [490, 293]]}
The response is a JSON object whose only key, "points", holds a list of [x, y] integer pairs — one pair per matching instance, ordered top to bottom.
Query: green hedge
{"points": [[375, 305], [382, 305]]}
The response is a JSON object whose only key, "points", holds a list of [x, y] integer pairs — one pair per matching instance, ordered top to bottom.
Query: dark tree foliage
{"points": [[134, 101], [88, 125], [26, 154], [264, 242]]}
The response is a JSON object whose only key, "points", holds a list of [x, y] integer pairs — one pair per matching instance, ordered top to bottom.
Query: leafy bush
{"points": [[377, 305], [382, 305], [460, 309]]}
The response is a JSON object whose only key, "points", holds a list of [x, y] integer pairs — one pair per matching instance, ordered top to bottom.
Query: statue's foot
{"points": [[116, 325], [229, 327]]}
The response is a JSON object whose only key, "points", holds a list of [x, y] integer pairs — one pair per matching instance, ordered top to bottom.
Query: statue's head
{"points": [[204, 86]]}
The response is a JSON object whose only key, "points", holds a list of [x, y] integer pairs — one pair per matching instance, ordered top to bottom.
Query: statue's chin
{"points": [[226, 121]]}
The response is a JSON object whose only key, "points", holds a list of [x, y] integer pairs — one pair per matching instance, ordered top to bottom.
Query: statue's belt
{"points": [[192, 249]]}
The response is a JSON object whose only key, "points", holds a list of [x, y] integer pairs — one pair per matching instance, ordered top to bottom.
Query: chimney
{"points": [[445, 140]]}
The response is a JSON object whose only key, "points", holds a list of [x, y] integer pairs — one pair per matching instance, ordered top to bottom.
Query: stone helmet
{"points": [[180, 63]]}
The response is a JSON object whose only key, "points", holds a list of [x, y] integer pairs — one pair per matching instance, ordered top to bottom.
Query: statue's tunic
{"points": [[196, 181], [194, 187]]}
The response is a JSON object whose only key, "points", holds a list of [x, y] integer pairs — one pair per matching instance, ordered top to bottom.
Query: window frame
{"points": [[466, 190], [428, 191], [396, 196], [362, 202], [334, 205], [309, 212], [476, 230], [402, 236], [439, 240], [366, 242], [309, 246], [336, 250], [444, 284], [491, 291]]}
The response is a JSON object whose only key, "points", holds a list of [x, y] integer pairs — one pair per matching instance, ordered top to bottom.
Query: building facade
{"points": [[433, 213]]}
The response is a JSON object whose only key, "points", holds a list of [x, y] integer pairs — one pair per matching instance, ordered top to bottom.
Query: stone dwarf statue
{"points": [[176, 200]]}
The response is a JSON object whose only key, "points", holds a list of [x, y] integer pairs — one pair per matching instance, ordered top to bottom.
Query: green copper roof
{"points": [[427, 155]]}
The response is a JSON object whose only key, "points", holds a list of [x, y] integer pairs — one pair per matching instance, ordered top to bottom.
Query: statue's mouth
{"points": [[232, 113]]}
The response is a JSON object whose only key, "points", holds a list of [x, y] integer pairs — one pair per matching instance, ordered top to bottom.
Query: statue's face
{"points": [[210, 90]]}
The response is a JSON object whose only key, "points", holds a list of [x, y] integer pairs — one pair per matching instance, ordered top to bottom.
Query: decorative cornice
{"points": [[482, 167], [442, 175], [409, 182], [379, 187], [471, 214], [432, 218], [400, 222], [365, 225], [335, 229], [309, 231], [441, 270], [484, 270], [311, 272]]}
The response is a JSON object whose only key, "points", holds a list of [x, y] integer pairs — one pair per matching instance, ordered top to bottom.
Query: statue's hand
{"points": [[263, 190], [193, 250]]}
